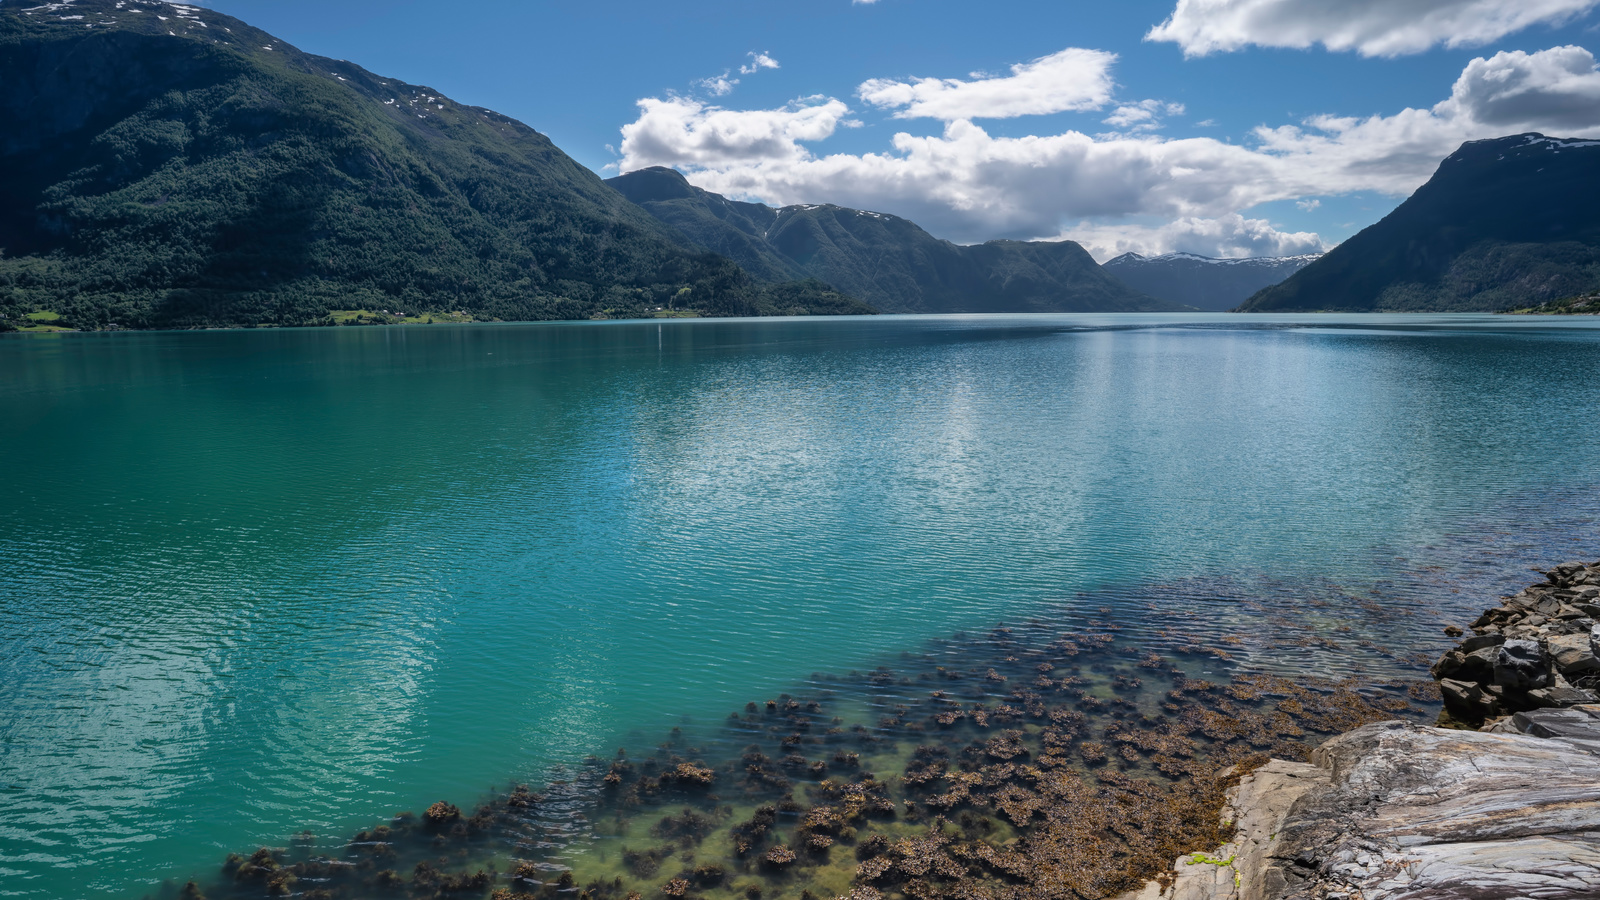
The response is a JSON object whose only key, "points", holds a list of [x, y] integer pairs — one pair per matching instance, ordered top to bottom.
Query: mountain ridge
{"points": [[170, 166], [1505, 222], [884, 259], [1221, 261], [1204, 282]]}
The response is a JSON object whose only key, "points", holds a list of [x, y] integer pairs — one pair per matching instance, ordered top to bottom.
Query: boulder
{"points": [[1574, 654], [1476, 665], [1522, 665], [1559, 697], [1468, 702]]}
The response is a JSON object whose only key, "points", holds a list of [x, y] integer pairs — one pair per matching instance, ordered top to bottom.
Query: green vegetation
{"points": [[198, 179], [1512, 222], [885, 260], [1579, 305], [386, 317], [42, 321], [1197, 859]]}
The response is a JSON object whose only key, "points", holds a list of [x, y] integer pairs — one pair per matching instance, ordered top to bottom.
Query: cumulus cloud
{"points": [[1370, 27], [758, 61], [1072, 80], [1557, 88], [1556, 91], [678, 131], [969, 185], [1226, 237]]}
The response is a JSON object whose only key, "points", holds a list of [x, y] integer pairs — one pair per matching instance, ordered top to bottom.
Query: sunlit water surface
{"points": [[259, 582]]}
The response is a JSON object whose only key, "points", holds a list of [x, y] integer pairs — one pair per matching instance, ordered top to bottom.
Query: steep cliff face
{"points": [[169, 165], [1510, 222], [885, 260]]}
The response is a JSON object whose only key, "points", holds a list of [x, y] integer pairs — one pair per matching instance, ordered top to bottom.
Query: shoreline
{"points": [[1035, 757], [1061, 778], [1500, 801]]}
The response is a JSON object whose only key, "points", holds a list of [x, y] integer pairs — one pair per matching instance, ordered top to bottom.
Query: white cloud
{"points": [[1370, 27], [758, 61], [1074, 79], [718, 85], [723, 85], [1557, 88], [1556, 91], [1142, 116], [679, 131], [967, 184], [1308, 205], [1226, 237]]}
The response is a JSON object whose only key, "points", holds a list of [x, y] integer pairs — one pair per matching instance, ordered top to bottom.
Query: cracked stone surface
{"points": [[1395, 811]]}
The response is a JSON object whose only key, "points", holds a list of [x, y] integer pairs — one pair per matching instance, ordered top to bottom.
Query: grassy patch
{"points": [[1580, 305], [388, 317], [42, 322]]}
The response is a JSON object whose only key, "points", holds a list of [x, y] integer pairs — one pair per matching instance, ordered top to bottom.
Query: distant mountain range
{"points": [[165, 165], [1507, 223], [885, 260], [1214, 285]]}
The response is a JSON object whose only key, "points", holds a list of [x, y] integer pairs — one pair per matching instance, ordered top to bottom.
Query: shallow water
{"points": [[258, 582]]}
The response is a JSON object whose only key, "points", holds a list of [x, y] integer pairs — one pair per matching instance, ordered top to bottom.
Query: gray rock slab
{"points": [[1395, 811], [1427, 814]]}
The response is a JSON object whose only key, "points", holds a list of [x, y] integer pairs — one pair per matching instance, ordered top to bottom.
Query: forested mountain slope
{"points": [[169, 166], [1510, 222], [885, 260]]}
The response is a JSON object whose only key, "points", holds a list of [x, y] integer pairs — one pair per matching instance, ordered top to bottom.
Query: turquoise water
{"points": [[255, 582]]}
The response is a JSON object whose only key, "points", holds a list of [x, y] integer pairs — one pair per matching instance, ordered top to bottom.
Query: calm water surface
{"points": [[258, 582]]}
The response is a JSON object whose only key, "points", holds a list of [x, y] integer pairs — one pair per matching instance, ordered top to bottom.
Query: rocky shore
{"points": [[1537, 649], [1395, 811]]}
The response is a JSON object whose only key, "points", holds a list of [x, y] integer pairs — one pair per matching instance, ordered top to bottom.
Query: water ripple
{"points": [[258, 582]]}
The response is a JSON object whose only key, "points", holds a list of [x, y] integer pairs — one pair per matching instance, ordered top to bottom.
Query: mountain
{"points": [[169, 166], [1509, 222], [884, 260], [1214, 285]]}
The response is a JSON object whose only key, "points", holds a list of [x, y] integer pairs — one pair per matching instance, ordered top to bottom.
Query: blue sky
{"points": [[1235, 128]]}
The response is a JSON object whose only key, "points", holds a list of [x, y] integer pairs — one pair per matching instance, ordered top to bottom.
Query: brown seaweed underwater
{"points": [[1025, 763]]}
